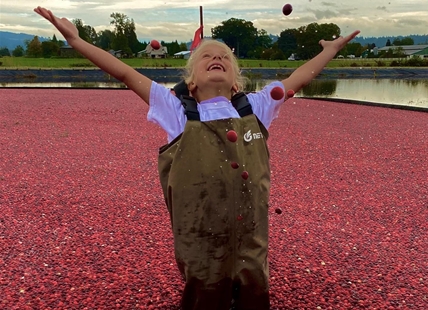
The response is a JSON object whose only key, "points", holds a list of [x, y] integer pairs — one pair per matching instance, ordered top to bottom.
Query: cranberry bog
{"points": [[83, 224]]}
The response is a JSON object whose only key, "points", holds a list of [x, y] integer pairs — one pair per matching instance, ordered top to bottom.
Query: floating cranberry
{"points": [[287, 9], [155, 44]]}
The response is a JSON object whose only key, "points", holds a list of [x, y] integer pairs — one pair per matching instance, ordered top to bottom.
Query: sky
{"points": [[178, 19]]}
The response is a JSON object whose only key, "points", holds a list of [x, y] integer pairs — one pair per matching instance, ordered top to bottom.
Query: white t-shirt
{"points": [[167, 111]]}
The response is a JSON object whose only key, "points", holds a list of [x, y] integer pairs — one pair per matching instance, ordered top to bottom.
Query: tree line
{"points": [[240, 35]]}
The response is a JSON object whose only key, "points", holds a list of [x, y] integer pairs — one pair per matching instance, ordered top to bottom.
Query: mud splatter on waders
{"points": [[219, 218]]}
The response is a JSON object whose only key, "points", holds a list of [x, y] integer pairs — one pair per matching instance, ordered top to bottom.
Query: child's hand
{"points": [[67, 29], [340, 42], [307, 72]]}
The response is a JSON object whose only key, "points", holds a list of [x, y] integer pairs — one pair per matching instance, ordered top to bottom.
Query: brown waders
{"points": [[219, 217]]}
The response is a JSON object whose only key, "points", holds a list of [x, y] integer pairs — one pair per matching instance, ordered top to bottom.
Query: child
{"points": [[214, 171]]}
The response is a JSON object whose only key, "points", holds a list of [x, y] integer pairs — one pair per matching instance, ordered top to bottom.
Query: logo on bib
{"points": [[250, 136]]}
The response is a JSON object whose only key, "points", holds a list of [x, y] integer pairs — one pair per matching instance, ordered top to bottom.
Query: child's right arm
{"points": [[135, 81]]}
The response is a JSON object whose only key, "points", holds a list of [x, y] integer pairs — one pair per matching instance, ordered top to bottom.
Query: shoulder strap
{"points": [[180, 89], [239, 101], [241, 104], [190, 108]]}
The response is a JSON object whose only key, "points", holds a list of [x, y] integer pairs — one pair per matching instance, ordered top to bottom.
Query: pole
{"points": [[201, 21]]}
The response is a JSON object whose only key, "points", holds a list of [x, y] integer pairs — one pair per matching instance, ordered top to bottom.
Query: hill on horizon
{"points": [[11, 39], [381, 41]]}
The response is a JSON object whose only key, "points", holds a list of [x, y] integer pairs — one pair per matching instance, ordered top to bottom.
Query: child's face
{"points": [[213, 68]]}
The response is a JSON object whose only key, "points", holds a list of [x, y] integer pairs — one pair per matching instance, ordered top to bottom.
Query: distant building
{"points": [[408, 50], [67, 51], [150, 52], [118, 54], [183, 54], [422, 54], [293, 57]]}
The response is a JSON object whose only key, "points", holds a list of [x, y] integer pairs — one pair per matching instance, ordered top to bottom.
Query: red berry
{"points": [[287, 9], [155, 44], [277, 93], [290, 93], [232, 136], [234, 165], [244, 175]]}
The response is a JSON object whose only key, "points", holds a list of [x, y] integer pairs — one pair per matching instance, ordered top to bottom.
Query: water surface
{"points": [[405, 92]]}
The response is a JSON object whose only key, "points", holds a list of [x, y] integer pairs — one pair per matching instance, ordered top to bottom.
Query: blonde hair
{"points": [[188, 74]]}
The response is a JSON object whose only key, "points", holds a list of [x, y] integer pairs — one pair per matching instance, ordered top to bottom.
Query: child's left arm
{"points": [[307, 72]]}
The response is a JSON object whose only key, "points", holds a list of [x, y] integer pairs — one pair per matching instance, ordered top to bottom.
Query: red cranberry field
{"points": [[83, 224]]}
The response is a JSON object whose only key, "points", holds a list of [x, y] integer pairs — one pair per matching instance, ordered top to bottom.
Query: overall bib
{"points": [[217, 195]]}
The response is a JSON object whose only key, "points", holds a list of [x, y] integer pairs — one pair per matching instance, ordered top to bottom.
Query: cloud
{"points": [[332, 4], [324, 14], [170, 20]]}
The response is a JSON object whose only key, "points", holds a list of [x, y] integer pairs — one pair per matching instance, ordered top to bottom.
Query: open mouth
{"points": [[216, 67]]}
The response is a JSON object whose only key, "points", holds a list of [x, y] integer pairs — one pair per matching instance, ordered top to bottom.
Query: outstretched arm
{"points": [[307, 72], [137, 82]]}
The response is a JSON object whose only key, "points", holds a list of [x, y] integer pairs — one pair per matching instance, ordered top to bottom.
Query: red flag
{"points": [[196, 39]]}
